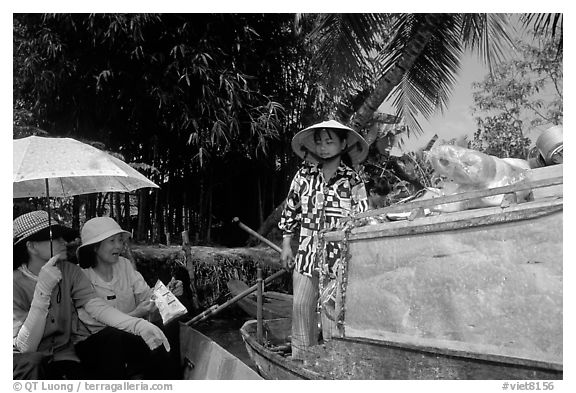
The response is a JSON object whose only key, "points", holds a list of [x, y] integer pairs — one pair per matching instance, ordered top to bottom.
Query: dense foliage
{"points": [[520, 96], [194, 100], [206, 105]]}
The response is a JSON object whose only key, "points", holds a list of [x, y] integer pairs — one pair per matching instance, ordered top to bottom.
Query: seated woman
{"points": [[116, 281], [47, 293]]}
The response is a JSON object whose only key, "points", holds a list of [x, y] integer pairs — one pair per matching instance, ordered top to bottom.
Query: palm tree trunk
{"points": [[391, 78]]}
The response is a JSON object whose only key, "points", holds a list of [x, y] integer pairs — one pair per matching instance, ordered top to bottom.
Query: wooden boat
{"points": [[474, 294], [274, 305], [202, 358], [350, 358], [270, 363]]}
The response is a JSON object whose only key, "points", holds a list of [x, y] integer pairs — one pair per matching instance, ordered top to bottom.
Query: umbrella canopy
{"points": [[72, 167]]}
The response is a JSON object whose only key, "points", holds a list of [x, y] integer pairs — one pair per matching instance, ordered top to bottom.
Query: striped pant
{"points": [[305, 316]]}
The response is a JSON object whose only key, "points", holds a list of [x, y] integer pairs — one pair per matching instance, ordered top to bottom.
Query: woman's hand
{"points": [[286, 256], [50, 275], [176, 287], [143, 309], [152, 335]]}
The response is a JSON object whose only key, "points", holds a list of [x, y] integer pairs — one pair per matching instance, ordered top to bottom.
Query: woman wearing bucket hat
{"points": [[323, 192], [120, 285], [47, 293]]}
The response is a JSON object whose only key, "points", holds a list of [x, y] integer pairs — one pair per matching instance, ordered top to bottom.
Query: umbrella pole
{"points": [[49, 217]]}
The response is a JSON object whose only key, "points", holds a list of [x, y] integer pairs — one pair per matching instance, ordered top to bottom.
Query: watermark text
{"points": [[527, 385], [84, 386]]}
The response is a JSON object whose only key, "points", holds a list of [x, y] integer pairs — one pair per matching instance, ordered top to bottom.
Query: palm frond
{"points": [[546, 24], [401, 26], [488, 35], [343, 43], [422, 56], [427, 85], [408, 104]]}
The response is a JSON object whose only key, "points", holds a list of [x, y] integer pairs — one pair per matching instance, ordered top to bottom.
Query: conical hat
{"points": [[303, 142]]}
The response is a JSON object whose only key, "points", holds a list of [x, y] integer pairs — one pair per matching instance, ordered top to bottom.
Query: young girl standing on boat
{"points": [[323, 192]]}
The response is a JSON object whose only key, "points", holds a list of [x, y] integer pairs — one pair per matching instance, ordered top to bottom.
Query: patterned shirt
{"points": [[315, 204]]}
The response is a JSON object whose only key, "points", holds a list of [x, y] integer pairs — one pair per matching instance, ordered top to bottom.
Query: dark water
{"points": [[224, 329]]}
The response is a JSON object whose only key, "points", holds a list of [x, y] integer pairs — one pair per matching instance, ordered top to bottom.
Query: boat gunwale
{"points": [[523, 185], [464, 219], [235, 289], [277, 295], [249, 302], [459, 353], [186, 360], [496, 360]]}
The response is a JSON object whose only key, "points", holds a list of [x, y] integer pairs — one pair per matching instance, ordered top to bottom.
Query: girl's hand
{"points": [[286, 256], [176, 287]]}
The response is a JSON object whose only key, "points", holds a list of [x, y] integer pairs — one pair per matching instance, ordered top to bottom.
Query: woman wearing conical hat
{"points": [[324, 191]]}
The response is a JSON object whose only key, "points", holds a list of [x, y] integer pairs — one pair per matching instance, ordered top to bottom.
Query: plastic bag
{"points": [[469, 170], [168, 305]]}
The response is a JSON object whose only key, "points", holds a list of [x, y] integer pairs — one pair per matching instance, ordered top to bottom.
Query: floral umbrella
{"points": [[63, 167]]}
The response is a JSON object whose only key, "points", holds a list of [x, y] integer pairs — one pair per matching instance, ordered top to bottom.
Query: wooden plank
{"points": [[546, 172]]}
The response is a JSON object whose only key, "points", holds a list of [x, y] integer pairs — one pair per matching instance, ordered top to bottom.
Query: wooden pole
{"points": [[49, 216], [256, 234], [190, 267], [260, 294], [216, 309]]}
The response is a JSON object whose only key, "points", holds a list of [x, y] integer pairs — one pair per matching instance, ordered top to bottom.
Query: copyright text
{"points": [[83, 386]]}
